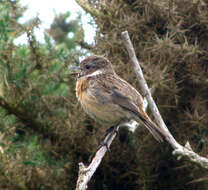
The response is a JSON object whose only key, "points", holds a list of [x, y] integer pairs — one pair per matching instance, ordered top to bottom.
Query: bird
{"points": [[109, 99]]}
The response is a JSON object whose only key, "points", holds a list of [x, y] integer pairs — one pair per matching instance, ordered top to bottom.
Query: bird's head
{"points": [[95, 65]]}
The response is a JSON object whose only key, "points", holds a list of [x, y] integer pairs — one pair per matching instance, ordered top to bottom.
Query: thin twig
{"points": [[179, 150]]}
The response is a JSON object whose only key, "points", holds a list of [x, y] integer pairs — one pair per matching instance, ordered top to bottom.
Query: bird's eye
{"points": [[87, 67]]}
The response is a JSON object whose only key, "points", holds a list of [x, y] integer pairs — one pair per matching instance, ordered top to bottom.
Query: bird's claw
{"points": [[112, 129], [103, 143]]}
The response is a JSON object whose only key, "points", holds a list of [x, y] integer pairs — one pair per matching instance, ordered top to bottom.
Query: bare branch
{"points": [[179, 150], [85, 173]]}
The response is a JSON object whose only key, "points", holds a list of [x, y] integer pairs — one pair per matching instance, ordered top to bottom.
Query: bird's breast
{"points": [[81, 87]]}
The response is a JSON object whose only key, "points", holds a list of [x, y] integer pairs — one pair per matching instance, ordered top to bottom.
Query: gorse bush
{"points": [[170, 40], [37, 107], [44, 133]]}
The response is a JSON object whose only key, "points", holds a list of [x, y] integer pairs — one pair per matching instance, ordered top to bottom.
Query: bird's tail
{"points": [[139, 114], [153, 128]]}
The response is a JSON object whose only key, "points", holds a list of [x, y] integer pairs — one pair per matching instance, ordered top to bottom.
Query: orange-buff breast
{"points": [[81, 86]]}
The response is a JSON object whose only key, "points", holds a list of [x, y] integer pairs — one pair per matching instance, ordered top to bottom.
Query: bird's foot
{"points": [[113, 129], [109, 133], [104, 143]]}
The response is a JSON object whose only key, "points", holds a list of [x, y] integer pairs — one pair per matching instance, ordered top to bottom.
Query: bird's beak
{"points": [[74, 70]]}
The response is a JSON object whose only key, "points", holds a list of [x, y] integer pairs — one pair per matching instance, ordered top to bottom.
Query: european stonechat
{"points": [[109, 99]]}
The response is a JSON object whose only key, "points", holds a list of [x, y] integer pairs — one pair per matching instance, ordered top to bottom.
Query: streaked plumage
{"points": [[109, 99]]}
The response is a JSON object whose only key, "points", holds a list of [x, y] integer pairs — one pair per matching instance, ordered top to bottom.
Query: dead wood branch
{"points": [[179, 150], [86, 172]]}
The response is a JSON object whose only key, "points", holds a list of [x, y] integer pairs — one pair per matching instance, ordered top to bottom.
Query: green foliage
{"points": [[4, 20], [66, 32], [39, 114], [27, 163]]}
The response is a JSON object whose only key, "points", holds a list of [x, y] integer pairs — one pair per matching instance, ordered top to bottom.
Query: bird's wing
{"points": [[114, 82], [110, 89], [125, 103]]}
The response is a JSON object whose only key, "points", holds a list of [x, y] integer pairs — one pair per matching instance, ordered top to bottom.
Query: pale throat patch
{"points": [[95, 73]]}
